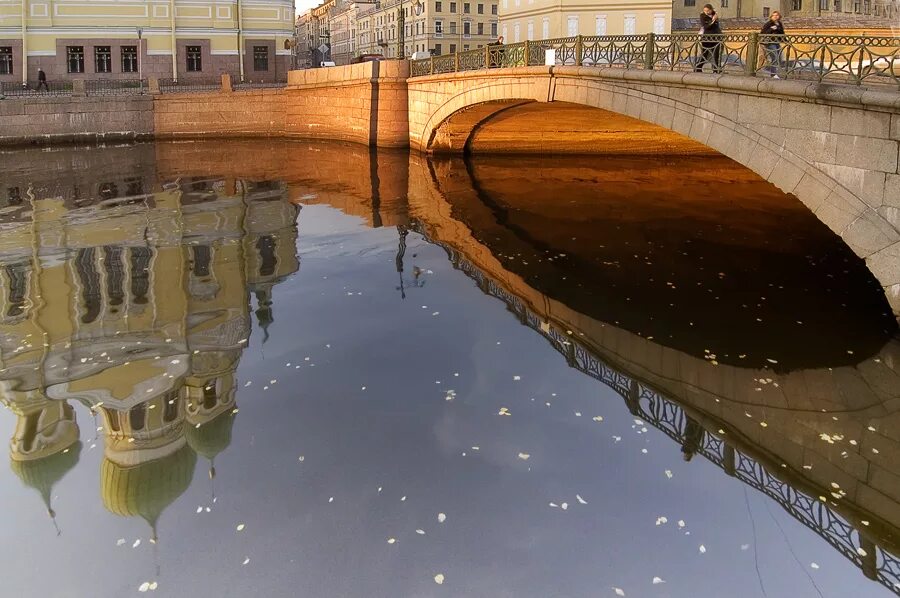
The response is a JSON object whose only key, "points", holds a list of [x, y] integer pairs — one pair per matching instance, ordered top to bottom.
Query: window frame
{"points": [[75, 53], [127, 56], [260, 58], [103, 59], [193, 59]]}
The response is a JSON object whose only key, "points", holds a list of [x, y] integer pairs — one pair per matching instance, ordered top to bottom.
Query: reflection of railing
{"points": [[852, 59], [670, 418]]}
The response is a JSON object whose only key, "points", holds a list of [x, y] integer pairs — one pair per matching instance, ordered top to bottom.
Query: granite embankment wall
{"points": [[365, 103]]}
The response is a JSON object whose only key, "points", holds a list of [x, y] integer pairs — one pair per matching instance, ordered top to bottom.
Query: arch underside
{"points": [[679, 121]]}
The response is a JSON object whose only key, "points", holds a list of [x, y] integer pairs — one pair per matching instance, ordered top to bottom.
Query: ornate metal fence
{"points": [[849, 59], [35, 89], [670, 418]]}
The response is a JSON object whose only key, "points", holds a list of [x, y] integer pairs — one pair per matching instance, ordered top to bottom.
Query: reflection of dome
{"points": [[213, 437], [43, 474], [145, 490]]}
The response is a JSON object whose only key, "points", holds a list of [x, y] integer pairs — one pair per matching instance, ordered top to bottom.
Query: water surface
{"points": [[311, 369]]}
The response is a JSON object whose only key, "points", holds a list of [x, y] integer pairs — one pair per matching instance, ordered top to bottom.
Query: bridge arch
{"points": [[833, 147]]}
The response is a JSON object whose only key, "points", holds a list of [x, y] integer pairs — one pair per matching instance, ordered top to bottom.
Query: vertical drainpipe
{"points": [[240, 36], [24, 43], [174, 45]]}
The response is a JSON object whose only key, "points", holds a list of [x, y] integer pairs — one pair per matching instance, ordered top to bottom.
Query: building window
{"points": [[690, 2], [724, 3], [823, 4], [797, 5], [837, 5], [856, 6], [438, 7], [453, 7], [867, 7], [467, 8], [481, 9], [493, 9], [766, 12], [630, 22], [659, 23], [599, 25], [572, 26], [452, 27], [439, 28], [480, 28], [467, 29], [494, 29], [530, 30], [516, 33], [505, 35], [465, 47], [453, 48], [438, 50], [260, 58], [75, 59], [102, 59], [129, 59], [194, 60], [6, 61]]}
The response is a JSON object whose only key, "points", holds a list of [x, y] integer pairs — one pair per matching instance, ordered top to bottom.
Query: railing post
{"points": [[579, 50], [650, 51], [527, 52], [752, 54], [487, 56], [455, 61], [431, 64], [226, 83], [153, 85], [79, 89]]}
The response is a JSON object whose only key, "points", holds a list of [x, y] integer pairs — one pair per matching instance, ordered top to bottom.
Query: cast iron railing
{"points": [[849, 59], [110, 87], [52, 88], [671, 419]]}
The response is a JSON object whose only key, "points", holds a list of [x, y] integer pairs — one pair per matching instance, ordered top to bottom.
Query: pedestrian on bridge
{"points": [[772, 45], [710, 48], [42, 80]]}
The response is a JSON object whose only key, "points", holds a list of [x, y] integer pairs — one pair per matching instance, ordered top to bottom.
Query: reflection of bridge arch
{"points": [[777, 136], [872, 547]]}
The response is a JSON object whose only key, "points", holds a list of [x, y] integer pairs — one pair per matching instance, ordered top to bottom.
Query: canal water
{"points": [[294, 369]]}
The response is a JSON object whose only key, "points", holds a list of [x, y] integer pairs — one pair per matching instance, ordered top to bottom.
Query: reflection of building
{"points": [[522, 20], [137, 38], [144, 328]]}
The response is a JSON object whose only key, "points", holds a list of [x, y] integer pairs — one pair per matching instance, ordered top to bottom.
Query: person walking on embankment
{"points": [[773, 44], [710, 49], [496, 53], [42, 80]]}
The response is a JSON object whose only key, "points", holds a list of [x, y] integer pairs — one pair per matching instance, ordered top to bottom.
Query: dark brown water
{"points": [[276, 368]]}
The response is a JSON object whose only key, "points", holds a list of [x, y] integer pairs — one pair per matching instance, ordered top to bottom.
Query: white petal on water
{"points": [[517, 378], [504, 411], [578, 414], [598, 418], [524, 456], [301, 458], [669, 473], [331, 499], [403, 499], [580, 500], [554, 505], [564, 506], [199, 509], [442, 517], [661, 520], [681, 523], [240, 527], [421, 532], [392, 540], [120, 541], [136, 543], [745, 546], [702, 549], [246, 560], [814, 565], [439, 579], [658, 580], [153, 585], [144, 586], [619, 591]]}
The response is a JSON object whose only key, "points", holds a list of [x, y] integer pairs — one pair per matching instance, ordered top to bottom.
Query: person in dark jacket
{"points": [[773, 44], [710, 49], [496, 53], [42, 80]]}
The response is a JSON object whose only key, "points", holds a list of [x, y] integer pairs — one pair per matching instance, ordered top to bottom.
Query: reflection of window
{"points": [[260, 58], [75, 59], [102, 59], [129, 59], [6, 60], [194, 61], [108, 190], [15, 196], [266, 248], [140, 273], [115, 275], [89, 279], [18, 285], [170, 409], [137, 416]]}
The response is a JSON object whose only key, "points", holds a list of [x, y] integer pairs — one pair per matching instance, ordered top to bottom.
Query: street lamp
{"points": [[140, 32]]}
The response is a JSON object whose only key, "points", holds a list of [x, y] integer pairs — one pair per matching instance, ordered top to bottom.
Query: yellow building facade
{"points": [[522, 20], [128, 39], [140, 318]]}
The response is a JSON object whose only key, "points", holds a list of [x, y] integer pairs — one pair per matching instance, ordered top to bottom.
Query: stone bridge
{"points": [[835, 147]]}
